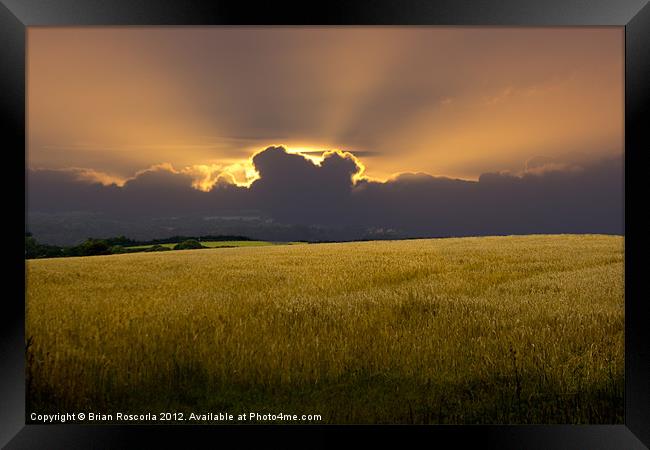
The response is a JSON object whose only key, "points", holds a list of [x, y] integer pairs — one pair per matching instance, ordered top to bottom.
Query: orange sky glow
{"points": [[447, 101]]}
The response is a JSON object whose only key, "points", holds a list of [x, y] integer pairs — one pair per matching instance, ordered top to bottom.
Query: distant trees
{"points": [[206, 238], [122, 241], [190, 244], [116, 245], [31, 246], [89, 247], [93, 247], [157, 248], [117, 249], [35, 250]]}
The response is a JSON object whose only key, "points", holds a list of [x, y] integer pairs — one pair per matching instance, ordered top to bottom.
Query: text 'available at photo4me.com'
{"points": [[177, 417]]}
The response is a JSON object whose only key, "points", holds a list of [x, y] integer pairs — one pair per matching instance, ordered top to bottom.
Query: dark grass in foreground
{"points": [[476, 330]]}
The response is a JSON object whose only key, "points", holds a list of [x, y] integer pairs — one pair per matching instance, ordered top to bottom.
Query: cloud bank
{"points": [[457, 101], [548, 196]]}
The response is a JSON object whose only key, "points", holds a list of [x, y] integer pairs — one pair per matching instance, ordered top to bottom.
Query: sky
{"points": [[453, 102], [211, 110]]}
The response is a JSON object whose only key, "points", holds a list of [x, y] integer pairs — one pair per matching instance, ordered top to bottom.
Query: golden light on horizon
{"points": [[447, 101]]}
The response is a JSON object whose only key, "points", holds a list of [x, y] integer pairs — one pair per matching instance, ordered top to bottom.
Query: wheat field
{"points": [[526, 329]]}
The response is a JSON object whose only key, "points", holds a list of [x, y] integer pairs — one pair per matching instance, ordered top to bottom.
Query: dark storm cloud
{"points": [[65, 190], [293, 190], [584, 200]]}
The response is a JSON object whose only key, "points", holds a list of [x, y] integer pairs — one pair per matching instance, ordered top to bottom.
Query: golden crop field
{"points": [[522, 329]]}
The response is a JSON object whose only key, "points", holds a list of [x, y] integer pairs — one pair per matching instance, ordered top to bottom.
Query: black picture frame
{"points": [[17, 15]]}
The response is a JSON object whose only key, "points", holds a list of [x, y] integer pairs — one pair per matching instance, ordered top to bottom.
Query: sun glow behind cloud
{"points": [[446, 101], [243, 174], [206, 176]]}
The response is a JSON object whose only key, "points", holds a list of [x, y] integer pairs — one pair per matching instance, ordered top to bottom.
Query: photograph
{"points": [[326, 225]]}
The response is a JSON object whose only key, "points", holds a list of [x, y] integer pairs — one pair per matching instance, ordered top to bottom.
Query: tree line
{"points": [[116, 245]]}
